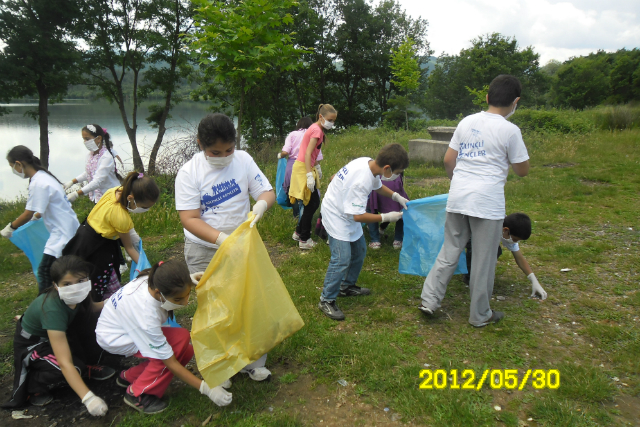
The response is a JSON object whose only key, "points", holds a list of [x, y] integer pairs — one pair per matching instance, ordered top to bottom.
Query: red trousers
{"points": [[152, 376]]}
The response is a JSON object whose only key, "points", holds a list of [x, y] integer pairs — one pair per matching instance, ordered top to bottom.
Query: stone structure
{"points": [[432, 150]]}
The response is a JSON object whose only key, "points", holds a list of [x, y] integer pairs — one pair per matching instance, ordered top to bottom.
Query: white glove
{"points": [[279, 156], [319, 170], [311, 181], [68, 185], [71, 197], [398, 198], [258, 210], [34, 217], [391, 217], [7, 232], [135, 238], [221, 238], [195, 277], [535, 287], [218, 395], [96, 406]]}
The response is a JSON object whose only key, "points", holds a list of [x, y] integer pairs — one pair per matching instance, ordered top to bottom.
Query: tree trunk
{"points": [[406, 117], [43, 122], [239, 129], [161, 130]]}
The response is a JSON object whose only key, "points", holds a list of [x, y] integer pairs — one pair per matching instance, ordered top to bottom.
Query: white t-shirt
{"points": [[486, 144], [103, 179], [221, 194], [347, 196], [47, 197], [513, 247], [131, 321]]}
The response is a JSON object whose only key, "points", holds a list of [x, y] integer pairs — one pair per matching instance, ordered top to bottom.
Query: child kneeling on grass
{"points": [[343, 209], [131, 325], [55, 340]]}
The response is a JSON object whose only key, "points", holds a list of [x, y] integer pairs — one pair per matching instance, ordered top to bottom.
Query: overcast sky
{"points": [[556, 29]]}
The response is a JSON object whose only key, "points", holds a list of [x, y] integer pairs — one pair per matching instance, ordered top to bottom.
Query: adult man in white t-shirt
{"points": [[477, 162]]}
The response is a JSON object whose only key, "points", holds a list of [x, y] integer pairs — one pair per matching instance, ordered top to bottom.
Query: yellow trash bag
{"points": [[244, 309]]}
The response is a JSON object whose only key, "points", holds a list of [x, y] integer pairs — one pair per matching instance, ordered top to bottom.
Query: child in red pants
{"points": [[130, 324]]}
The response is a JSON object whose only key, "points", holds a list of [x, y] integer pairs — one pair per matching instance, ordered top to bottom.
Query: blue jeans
{"points": [[374, 231], [344, 267]]}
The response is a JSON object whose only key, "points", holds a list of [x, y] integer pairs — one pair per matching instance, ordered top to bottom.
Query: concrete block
{"points": [[441, 133], [427, 150]]}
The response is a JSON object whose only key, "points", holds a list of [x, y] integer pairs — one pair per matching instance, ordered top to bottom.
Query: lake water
{"points": [[67, 152]]}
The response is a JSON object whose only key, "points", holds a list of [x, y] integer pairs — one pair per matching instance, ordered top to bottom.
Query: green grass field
{"points": [[582, 194]]}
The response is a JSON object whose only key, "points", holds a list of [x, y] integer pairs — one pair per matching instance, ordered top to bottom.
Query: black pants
{"points": [[304, 226], [468, 247], [44, 273]]}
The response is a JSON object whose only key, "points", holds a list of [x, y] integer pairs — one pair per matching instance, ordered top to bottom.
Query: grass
{"points": [[581, 193]]}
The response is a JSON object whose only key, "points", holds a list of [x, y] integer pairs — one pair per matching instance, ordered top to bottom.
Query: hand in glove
{"points": [[279, 156], [319, 170], [311, 181], [68, 185], [71, 197], [398, 198], [258, 210], [36, 216], [391, 217], [7, 232], [135, 238], [221, 238], [195, 277], [535, 287], [218, 395], [96, 406]]}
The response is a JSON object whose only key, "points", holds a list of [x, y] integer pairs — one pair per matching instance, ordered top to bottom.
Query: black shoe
{"points": [[465, 279], [354, 291], [331, 310], [425, 310], [496, 316], [99, 372], [121, 381], [41, 399], [145, 403]]}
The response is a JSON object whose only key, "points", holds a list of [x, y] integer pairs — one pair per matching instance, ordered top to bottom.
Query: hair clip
{"points": [[91, 128], [104, 130], [140, 175], [160, 263]]}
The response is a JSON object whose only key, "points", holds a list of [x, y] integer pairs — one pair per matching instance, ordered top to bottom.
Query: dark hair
{"points": [[503, 90], [324, 109], [304, 123], [214, 128], [106, 138], [22, 154], [393, 155], [143, 188], [519, 225], [68, 264], [169, 277]]}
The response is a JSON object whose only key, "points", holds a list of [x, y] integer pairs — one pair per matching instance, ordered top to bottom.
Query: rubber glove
{"points": [[279, 156], [319, 170], [311, 181], [68, 185], [71, 197], [398, 198], [258, 210], [35, 217], [391, 217], [7, 232], [135, 238], [221, 238], [195, 277], [535, 287], [218, 395], [96, 406]]}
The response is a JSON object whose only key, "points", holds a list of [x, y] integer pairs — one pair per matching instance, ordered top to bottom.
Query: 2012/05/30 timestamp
{"points": [[497, 378]]}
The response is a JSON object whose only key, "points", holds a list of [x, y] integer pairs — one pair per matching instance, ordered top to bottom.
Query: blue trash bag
{"points": [[281, 196], [424, 236], [31, 239], [142, 264], [171, 322]]}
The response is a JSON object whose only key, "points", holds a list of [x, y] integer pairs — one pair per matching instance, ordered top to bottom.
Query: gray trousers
{"points": [[486, 238], [198, 257]]}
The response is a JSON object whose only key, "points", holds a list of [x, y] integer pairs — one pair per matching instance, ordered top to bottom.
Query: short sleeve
{"points": [[316, 132], [287, 143], [454, 144], [517, 151], [258, 182], [377, 183], [187, 192], [38, 199], [355, 200], [120, 220], [54, 318], [151, 343]]}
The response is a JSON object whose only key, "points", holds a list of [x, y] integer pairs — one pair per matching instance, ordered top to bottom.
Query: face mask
{"points": [[512, 111], [327, 124], [91, 145], [219, 162], [15, 171], [393, 177], [137, 209], [509, 240], [74, 294], [168, 305]]}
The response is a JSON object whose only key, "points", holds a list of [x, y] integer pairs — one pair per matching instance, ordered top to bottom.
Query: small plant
{"points": [[289, 378]]}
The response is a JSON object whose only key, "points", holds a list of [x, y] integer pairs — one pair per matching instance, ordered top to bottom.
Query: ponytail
{"points": [[324, 109], [96, 130], [24, 155], [144, 189]]}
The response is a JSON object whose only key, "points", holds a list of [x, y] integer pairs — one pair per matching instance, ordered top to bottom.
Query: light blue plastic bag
{"points": [[281, 196], [424, 236], [31, 239], [142, 264]]}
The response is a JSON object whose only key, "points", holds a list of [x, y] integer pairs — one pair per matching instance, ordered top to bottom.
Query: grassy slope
{"points": [[582, 205]]}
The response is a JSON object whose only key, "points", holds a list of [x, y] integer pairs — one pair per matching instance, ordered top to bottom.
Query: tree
{"points": [[39, 57], [625, 64], [406, 73], [582, 82]]}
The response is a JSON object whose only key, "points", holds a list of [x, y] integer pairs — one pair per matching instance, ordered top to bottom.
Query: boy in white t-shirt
{"points": [[477, 161], [343, 211]]}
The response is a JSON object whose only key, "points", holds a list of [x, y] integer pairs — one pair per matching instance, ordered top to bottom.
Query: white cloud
{"points": [[555, 29]]}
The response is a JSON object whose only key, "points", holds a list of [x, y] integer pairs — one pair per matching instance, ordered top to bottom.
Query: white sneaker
{"points": [[295, 236], [309, 244], [257, 374]]}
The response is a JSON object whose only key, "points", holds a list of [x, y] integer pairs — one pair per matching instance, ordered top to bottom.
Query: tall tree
{"points": [[39, 57], [406, 77], [582, 82]]}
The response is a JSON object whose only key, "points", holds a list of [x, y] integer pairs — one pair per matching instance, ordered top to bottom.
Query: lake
{"points": [[67, 152]]}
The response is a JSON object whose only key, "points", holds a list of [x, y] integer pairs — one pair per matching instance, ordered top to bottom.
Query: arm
{"points": [[284, 154], [307, 155], [450, 158], [105, 166], [521, 169], [80, 178], [384, 191], [267, 196], [24, 218], [368, 218], [194, 224], [128, 246], [522, 263], [96, 306], [61, 350], [181, 372]]}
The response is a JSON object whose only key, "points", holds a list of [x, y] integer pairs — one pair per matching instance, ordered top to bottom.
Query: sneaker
{"points": [[295, 236], [309, 244], [397, 244], [375, 245], [465, 279], [354, 291], [331, 310], [425, 310], [496, 316], [99, 372], [257, 374], [122, 381], [41, 399], [145, 403]]}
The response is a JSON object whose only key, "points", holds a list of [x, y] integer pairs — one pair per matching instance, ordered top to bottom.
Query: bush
{"points": [[617, 117], [553, 121]]}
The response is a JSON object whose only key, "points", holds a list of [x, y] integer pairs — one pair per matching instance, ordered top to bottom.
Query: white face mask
{"points": [[515, 105], [327, 124], [91, 145], [219, 162], [15, 171], [393, 177], [137, 209], [509, 240], [74, 294], [168, 305]]}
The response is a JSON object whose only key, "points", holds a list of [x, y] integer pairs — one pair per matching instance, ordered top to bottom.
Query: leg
{"points": [[296, 210], [307, 216], [374, 230], [398, 235], [456, 235], [485, 242], [358, 252], [197, 256], [468, 257], [338, 265], [44, 276], [82, 336], [256, 370]]}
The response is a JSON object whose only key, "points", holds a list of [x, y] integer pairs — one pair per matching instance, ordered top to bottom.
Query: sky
{"points": [[555, 29]]}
